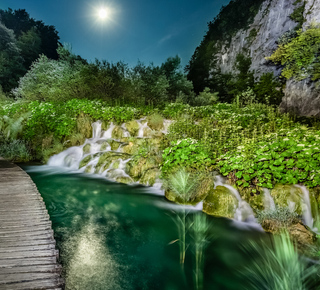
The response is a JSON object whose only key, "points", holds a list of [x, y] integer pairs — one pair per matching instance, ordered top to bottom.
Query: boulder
{"points": [[133, 127], [118, 133], [86, 148], [108, 157], [85, 161], [137, 166], [150, 176], [287, 196], [220, 202]]}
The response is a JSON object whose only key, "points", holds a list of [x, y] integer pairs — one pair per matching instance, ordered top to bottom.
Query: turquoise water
{"points": [[115, 236]]}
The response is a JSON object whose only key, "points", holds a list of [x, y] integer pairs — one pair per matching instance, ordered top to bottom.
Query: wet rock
{"points": [[133, 127], [118, 133], [86, 148], [108, 157], [85, 161], [136, 167], [150, 176], [124, 179], [203, 189], [288, 196], [220, 202]]}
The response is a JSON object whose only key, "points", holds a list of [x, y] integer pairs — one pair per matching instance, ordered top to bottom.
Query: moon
{"points": [[103, 13]]}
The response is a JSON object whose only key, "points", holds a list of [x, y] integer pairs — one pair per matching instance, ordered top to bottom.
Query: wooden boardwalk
{"points": [[28, 258]]}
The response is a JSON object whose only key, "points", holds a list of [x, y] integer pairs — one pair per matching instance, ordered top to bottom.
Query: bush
{"points": [[15, 150]]}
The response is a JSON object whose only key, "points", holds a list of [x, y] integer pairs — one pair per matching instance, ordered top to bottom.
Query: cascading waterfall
{"points": [[99, 144], [268, 200], [306, 206], [244, 211]]}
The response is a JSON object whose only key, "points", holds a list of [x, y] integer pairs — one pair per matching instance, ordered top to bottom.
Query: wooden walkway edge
{"points": [[28, 258]]}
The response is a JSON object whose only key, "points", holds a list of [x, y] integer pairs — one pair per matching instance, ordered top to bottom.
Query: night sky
{"points": [[145, 30]]}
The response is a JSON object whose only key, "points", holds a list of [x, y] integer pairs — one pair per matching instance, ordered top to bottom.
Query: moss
{"points": [[252, 34], [155, 121], [84, 125], [133, 127], [118, 132], [115, 144], [104, 146], [86, 148], [107, 158], [85, 161], [136, 167], [88, 169], [150, 176], [124, 179], [287, 196], [253, 197], [220, 202]]}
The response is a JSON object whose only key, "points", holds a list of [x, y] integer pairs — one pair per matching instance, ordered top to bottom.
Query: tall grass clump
{"points": [[15, 150], [184, 186], [279, 267]]}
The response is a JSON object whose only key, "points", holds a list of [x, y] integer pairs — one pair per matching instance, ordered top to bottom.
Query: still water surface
{"points": [[115, 236]]}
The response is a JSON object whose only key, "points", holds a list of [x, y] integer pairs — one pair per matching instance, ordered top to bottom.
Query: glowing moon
{"points": [[103, 13]]}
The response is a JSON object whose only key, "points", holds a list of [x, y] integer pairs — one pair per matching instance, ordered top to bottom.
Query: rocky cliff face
{"points": [[259, 40]]}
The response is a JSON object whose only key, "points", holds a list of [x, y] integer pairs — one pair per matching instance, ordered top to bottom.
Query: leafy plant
{"points": [[185, 153]]}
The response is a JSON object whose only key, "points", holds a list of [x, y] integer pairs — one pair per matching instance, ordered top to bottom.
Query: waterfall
{"points": [[108, 134], [88, 155], [268, 201], [306, 206], [244, 212]]}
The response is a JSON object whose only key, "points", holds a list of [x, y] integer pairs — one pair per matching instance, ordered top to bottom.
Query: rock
{"points": [[155, 122], [133, 127], [118, 132], [115, 144], [105, 146], [86, 148], [108, 157], [85, 161], [136, 167], [150, 176], [124, 179], [204, 188], [287, 196], [220, 202], [299, 233]]}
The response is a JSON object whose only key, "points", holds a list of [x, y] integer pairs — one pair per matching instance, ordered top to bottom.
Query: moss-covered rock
{"points": [[155, 122], [84, 125], [133, 127], [147, 132], [118, 133], [115, 144], [105, 145], [86, 148], [108, 157], [85, 161], [137, 166], [88, 169], [150, 176], [124, 179], [204, 187], [287, 196], [254, 197], [220, 202]]}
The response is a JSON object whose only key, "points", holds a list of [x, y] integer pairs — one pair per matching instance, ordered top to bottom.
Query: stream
{"points": [[117, 236]]}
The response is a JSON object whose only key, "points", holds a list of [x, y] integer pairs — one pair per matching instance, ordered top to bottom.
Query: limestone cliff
{"points": [[259, 39]]}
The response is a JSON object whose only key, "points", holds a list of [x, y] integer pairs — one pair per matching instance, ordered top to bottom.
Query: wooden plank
{"points": [[31, 242], [26, 248], [28, 258], [28, 262], [32, 269], [31, 276], [34, 285]]}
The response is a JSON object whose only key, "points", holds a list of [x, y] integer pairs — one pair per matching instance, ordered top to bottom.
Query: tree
{"points": [[10, 59]]}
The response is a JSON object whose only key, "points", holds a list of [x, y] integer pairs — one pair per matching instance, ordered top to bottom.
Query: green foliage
{"points": [[297, 14], [287, 37], [22, 40], [300, 56], [268, 90], [206, 98], [15, 150], [185, 153], [287, 157], [278, 266]]}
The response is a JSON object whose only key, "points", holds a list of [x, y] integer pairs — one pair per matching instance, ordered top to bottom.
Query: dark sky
{"points": [[145, 30]]}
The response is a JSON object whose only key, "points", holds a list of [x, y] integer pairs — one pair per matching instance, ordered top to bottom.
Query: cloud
{"points": [[165, 38]]}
